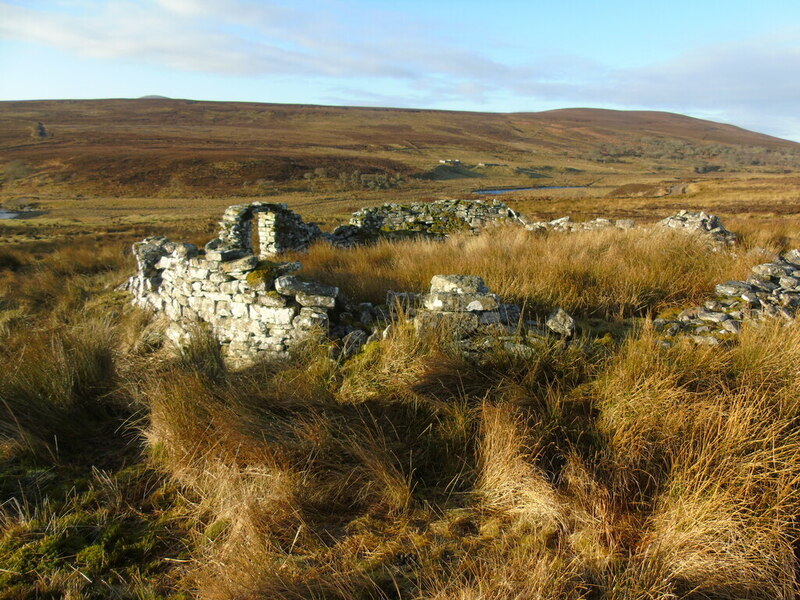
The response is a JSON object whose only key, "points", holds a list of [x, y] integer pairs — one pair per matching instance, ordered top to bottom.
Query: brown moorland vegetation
{"points": [[174, 148], [609, 467]]}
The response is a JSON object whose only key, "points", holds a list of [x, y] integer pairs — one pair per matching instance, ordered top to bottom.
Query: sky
{"points": [[725, 60]]}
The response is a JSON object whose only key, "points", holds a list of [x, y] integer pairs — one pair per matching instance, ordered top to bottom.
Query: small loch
{"points": [[498, 191]]}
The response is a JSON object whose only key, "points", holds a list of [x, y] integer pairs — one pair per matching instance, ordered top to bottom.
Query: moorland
{"points": [[610, 466]]}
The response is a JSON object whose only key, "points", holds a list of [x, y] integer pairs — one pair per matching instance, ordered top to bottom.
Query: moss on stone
{"points": [[264, 274]]}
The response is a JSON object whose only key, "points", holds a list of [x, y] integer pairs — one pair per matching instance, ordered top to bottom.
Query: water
{"points": [[498, 191], [7, 214]]}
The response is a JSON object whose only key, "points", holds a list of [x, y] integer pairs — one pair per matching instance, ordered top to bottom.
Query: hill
{"points": [[166, 147]]}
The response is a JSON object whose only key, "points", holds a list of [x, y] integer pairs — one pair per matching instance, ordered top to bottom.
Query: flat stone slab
{"points": [[240, 265], [459, 284], [290, 285], [733, 288], [315, 300], [460, 302]]}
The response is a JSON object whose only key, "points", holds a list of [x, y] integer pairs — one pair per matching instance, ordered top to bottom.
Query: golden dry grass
{"points": [[605, 273], [595, 469]]}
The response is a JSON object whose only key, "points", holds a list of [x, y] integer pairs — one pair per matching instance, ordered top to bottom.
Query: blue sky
{"points": [[732, 61]]}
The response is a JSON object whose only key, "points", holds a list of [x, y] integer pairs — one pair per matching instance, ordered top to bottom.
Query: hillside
{"points": [[164, 147]]}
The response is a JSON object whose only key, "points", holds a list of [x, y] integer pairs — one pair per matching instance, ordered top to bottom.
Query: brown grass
{"points": [[603, 273], [602, 468]]}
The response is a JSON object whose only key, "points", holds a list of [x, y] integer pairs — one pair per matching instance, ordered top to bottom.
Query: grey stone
{"points": [[224, 255], [793, 257], [240, 265], [768, 270], [458, 284], [289, 285], [733, 288], [271, 299], [315, 300], [460, 302], [713, 317], [560, 322], [458, 324], [732, 326], [705, 340], [353, 342]]}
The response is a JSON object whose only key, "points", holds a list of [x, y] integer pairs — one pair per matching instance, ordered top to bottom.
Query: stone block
{"points": [[225, 255], [793, 257], [165, 262], [241, 265], [768, 270], [218, 277], [459, 284], [289, 285], [229, 287], [733, 288], [272, 299], [315, 300], [460, 302], [223, 308], [239, 310], [277, 316], [712, 317], [310, 318], [561, 323], [458, 324]]}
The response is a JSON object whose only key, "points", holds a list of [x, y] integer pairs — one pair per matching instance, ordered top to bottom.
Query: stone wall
{"points": [[437, 218], [699, 223], [567, 225], [279, 230], [771, 290], [254, 308]]}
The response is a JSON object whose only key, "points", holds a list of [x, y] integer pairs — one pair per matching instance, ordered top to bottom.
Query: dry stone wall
{"points": [[437, 218], [700, 223], [567, 225], [279, 230], [771, 290], [254, 308], [257, 308]]}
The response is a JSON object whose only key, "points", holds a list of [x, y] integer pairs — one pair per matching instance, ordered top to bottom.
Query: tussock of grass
{"points": [[606, 273], [55, 384], [621, 470]]}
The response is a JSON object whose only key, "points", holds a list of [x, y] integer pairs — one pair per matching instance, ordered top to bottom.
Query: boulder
{"points": [[560, 322]]}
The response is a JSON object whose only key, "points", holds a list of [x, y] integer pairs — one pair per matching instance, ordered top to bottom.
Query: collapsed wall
{"points": [[433, 219], [699, 223], [567, 225], [279, 230], [771, 290], [256, 308]]}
